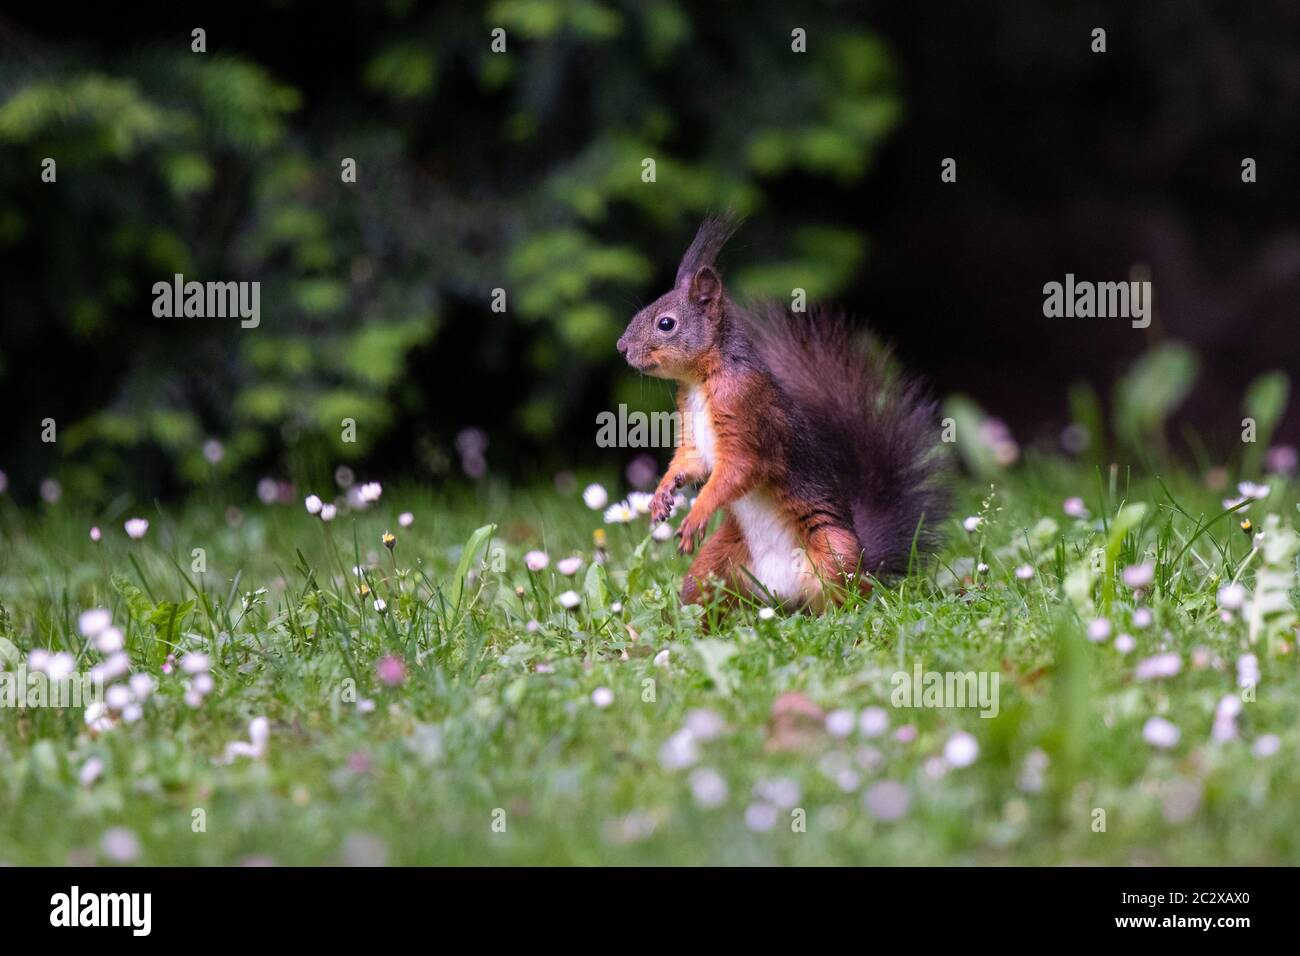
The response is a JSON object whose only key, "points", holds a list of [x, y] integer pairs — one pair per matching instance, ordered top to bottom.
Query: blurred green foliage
{"points": [[476, 170]]}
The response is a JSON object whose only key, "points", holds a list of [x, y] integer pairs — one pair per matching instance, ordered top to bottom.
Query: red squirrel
{"points": [[824, 459]]}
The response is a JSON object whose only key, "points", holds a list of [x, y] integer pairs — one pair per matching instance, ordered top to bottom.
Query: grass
{"points": [[493, 750]]}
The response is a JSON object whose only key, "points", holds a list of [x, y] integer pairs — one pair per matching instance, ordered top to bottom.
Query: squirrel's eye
{"points": [[667, 323]]}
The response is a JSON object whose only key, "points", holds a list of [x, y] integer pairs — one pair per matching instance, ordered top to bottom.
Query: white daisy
{"points": [[1249, 489], [595, 497], [1075, 508], [621, 513], [1232, 596], [92, 622], [1098, 629], [108, 641], [195, 662], [60, 666], [839, 722], [873, 722], [1159, 732], [961, 749], [679, 751], [708, 787]]}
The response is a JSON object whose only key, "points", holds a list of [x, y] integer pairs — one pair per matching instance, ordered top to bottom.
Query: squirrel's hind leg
{"points": [[836, 557], [717, 568]]}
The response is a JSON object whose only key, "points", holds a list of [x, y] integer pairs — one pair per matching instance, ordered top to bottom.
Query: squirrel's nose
{"points": [[622, 346]]}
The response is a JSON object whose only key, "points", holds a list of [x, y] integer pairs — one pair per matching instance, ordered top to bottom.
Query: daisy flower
{"points": [[1248, 489], [595, 497], [1075, 508], [621, 513], [1139, 575], [1232, 596], [91, 623], [108, 641], [1161, 665], [839, 722], [1159, 732], [961, 749], [679, 751], [708, 787], [887, 800]]}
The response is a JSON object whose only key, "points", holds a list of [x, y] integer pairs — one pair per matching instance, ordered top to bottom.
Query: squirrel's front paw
{"points": [[661, 506], [689, 534]]}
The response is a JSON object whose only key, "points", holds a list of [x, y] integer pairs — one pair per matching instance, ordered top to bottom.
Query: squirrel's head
{"points": [[677, 334]]}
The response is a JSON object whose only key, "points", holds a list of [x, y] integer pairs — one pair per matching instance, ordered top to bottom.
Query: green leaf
{"points": [[1150, 392], [1265, 402], [478, 541], [596, 591], [137, 605], [714, 654]]}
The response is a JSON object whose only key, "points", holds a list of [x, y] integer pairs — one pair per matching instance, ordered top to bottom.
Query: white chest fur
{"points": [[699, 426], [775, 557]]}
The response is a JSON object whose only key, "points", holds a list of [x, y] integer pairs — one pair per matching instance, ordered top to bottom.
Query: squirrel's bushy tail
{"points": [[876, 429]]}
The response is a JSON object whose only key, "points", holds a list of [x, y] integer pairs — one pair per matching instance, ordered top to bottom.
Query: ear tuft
{"points": [[709, 240]]}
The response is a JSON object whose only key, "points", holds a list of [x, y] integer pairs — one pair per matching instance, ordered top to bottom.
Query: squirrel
{"points": [[823, 456]]}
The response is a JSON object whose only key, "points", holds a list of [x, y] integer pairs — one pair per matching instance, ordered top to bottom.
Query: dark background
{"points": [[1068, 161]]}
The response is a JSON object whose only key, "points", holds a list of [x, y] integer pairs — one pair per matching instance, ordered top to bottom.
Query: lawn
{"points": [[1146, 708]]}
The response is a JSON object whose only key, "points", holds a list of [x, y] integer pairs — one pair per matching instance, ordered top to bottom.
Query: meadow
{"points": [[311, 695]]}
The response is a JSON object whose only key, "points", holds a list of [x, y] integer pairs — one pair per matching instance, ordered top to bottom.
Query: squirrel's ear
{"points": [[706, 288]]}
